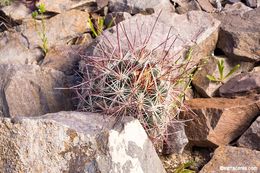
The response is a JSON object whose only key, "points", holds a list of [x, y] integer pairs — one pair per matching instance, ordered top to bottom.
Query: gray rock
{"points": [[65, 5], [137, 6], [238, 8], [59, 29], [195, 29], [239, 35], [14, 49], [241, 85], [207, 88], [28, 90], [218, 121], [251, 138], [176, 139], [76, 142], [233, 159]]}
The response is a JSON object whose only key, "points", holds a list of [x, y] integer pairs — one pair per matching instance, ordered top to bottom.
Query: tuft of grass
{"points": [[5, 2], [99, 27], [42, 30], [222, 77], [146, 85], [183, 168]]}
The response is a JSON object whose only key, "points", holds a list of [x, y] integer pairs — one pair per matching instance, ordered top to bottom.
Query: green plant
{"points": [[99, 28], [42, 31], [222, 77], [135, 81], [183, 168]]}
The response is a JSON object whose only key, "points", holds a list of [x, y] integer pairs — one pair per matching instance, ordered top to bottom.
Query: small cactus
{"points": [[135, 83]]}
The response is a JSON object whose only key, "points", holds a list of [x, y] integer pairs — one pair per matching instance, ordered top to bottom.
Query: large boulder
{"points": [[59, 29], [171, 33], [239, 35], [241, 85], [28, 90], [218, 121], [251, 138], [76, 142], [232, 159]]}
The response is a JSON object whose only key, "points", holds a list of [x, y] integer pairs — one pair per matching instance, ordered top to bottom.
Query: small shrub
{"points": [[42, 30], [135, 82]]}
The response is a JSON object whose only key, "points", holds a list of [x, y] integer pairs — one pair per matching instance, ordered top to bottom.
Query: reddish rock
{"points": [[218, 121], [233, 159]]}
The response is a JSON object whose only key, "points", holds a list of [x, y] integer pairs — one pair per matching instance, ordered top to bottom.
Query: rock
{"points": [[253, 3], [65, 5], [137, 6], [183, 6], [206, 6], [238, 8], [16, 11], [116, 18], [59, 29], [194, 29], [239, 35], [14, 50], [63, 58], [243, 84], [207, 88], [28, 90], [218, 121], [251, 138], [176, 139], [76, 142], [233, 159]]}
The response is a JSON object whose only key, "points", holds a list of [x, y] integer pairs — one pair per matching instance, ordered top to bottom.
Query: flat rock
{"points": [[61, 6], [136, 6], [206, 6], [59, 29], [239, 35], [241, 85], [207, 88], [28, 90], [218, 121], [251, 138], [76, 142], [233, 159]]}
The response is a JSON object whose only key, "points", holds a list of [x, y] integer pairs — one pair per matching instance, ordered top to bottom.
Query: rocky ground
{"points": [[41, 129]]}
